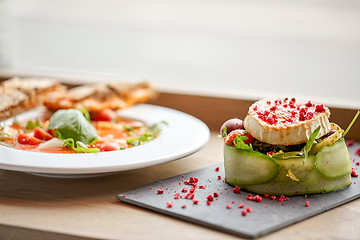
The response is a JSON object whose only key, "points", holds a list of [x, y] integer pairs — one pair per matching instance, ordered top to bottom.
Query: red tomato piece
{"points": [[105, 115], [41, 134], [232, 135], [28, 140], [109, 146]]}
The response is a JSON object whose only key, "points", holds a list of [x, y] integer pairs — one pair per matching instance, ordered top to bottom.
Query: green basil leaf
{"points": [[71, 123]]}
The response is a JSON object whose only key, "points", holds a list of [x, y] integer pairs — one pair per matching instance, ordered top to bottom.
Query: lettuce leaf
{"points": [[32, 125], [239, 143], [79, 147], [305, 151]]}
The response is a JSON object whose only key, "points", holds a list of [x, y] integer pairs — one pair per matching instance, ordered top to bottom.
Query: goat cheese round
{"points": [[286, 121]]}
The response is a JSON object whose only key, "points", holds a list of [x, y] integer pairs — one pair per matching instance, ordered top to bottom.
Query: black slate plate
{"points": [[266, 216]]}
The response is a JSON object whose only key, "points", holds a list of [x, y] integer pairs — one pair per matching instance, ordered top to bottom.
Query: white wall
{"points": [[235, 48]]}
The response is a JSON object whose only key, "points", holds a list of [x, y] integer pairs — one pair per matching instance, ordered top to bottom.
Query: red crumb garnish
{"points": [[309, 104], [319, 108], [350, 142], [357, 152], [357, 163], [217, 169], [353, 173], [219, 177], [193, 181], [184, 190], [236, 190], [160, 191], [216, 194], [124, 195], [176, 195], [189, 195], [266, 195], [249, 197], [210, 198], [256, 198], [282, 198], [195, 201], [208, 203], [169, 204], [307, 204], [241, 205], [183, 206], [228, 206], [249, 209], [244, 212]]}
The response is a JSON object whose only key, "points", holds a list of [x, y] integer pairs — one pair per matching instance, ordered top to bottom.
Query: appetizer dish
{"points": [[78, 120], [286, 147]]}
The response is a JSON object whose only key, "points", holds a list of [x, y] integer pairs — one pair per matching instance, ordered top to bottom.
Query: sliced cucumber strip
{"points": [[325, 142], [333, 161], [243, 167], [310, 180]]}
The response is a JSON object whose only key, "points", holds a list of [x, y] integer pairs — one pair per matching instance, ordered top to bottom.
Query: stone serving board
{"points": [[266, 216]]}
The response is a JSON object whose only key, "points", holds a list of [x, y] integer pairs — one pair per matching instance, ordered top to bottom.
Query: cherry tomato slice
{"points": [[105, 115], [41, 134], [232, 135], [28, 140], [109, 146]]}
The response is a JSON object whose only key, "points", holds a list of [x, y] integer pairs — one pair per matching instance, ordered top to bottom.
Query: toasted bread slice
{"points": [[20, 94], [97, 97], [286, 122]]}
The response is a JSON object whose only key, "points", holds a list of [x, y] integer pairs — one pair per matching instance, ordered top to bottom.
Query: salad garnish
{"points": [[72, 123], [351, 123]]}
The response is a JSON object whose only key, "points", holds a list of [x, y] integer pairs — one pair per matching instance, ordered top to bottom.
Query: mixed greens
{"points": [[79, 131]]}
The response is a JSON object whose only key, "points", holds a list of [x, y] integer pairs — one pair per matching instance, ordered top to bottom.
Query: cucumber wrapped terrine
{"points": [[286, 147]]}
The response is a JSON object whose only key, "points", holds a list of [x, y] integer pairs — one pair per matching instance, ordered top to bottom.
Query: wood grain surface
{"points": [[35, 207]]}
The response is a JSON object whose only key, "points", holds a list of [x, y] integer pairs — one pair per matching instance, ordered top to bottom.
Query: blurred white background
{"points": [[228, 48]]}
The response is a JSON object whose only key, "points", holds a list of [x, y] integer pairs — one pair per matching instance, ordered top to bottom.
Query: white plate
{"points": [[183, 136]]}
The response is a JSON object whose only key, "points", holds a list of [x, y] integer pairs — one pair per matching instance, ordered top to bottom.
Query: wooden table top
{"points": [[35, 207]]}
